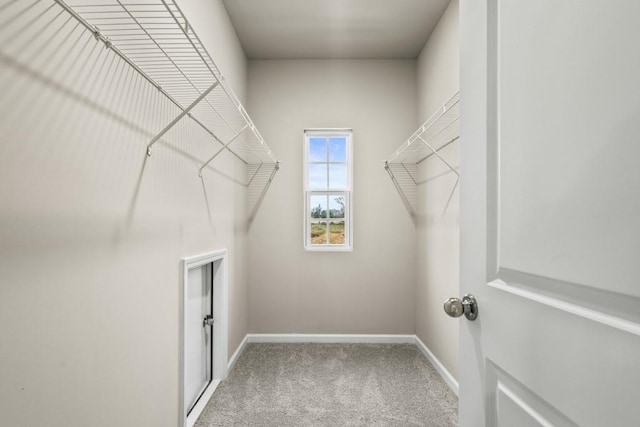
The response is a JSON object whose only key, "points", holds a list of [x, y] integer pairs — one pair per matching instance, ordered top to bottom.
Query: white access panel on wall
{"points": [[203, 333]]}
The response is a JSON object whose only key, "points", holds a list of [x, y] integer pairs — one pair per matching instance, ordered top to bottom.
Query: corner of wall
{"points": [[438, 226]]}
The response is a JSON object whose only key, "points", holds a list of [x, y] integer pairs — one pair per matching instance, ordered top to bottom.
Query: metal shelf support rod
{"points": [[180, 116], [222, 149], [438, 149], [435, 152], [255, 173], [409, 173]]}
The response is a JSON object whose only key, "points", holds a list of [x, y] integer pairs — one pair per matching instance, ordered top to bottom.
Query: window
{"points": [[328, 177]]}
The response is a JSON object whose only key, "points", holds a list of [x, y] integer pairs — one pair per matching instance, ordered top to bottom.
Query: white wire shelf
{"points": [[156, 39], [437, 133]]}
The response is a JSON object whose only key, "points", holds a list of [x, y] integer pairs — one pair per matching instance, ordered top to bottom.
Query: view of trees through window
{"points": [[336, 228]]}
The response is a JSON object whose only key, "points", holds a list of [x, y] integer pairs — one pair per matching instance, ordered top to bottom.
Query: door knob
{"points": [[456, 308], [207, 321]]}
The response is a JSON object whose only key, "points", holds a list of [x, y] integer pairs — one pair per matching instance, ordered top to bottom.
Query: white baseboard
{"points": [[332, 338], [349, 338], [236, 354], [444, 373], [202, 403]]}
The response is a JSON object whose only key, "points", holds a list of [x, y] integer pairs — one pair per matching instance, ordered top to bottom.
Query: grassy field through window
{"points": [[319, 233]]}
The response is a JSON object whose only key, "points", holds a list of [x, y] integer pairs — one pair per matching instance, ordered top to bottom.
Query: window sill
{"points": [[328, 248]]}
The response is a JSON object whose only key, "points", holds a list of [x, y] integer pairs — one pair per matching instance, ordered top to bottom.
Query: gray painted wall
{"points": [[439, 219], [90, 242], [370, 290]]}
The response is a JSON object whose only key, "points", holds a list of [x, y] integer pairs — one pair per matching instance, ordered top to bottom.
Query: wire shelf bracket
{"points": [[438, 132]]}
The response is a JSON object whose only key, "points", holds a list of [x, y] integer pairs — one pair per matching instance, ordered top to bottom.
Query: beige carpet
{"points": [[331, 385]]}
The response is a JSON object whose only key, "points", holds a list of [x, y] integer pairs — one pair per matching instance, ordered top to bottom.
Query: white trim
{"points": [[331, 131], [348, 191], [328, 248], [577, 310], [220, 331], [332, 338], [236, 354], [444, 373], [202, 403], [524, 405]]}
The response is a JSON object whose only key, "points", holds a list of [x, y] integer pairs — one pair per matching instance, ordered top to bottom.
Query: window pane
{"points": [[317, 149], [338, 149], [317, 176], [337, 176], [318, 206], [336, 206], [318, 233], [337, 233]]}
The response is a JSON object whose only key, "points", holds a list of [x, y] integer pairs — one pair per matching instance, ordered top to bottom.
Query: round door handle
{"points": [[454, 307]]}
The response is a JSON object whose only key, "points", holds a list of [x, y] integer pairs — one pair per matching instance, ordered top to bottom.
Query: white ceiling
{"points": [[320, 29]]}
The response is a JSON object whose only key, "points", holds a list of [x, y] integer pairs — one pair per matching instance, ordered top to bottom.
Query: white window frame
{"points": [[347, 192]]}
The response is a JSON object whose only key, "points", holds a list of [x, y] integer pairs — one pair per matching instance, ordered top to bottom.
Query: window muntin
{"points": [[328, 190]]}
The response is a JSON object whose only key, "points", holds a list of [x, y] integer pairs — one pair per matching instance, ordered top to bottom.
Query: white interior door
{"points": [[550, 212], [198, 333]]}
